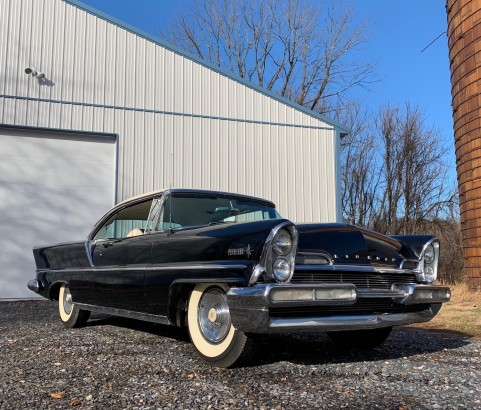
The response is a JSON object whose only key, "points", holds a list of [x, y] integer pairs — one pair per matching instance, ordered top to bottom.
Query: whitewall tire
{"points": [[70, 315], [216, 340]]}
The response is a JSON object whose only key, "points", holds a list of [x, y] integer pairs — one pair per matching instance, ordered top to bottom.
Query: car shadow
{"points": [[171, 332], [312, 348], [316, 348]]}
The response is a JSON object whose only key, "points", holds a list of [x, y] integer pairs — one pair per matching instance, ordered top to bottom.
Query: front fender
{"points": [[415, 243]]}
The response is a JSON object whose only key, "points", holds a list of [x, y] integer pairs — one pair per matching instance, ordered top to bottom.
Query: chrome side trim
{"points": [[196, 267], [154, 268], [206, 279], [163, 320]]}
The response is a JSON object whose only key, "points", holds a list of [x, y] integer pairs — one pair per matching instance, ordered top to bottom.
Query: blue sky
{"points": [[398, 31]]}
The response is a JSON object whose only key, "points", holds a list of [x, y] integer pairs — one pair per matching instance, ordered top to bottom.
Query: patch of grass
{"points": [[462, 314]]}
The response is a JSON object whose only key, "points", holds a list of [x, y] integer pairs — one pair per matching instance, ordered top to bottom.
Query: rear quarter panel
{"points": [[65, 263]]}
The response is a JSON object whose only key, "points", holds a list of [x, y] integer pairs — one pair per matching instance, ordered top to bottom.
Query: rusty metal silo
{"points": [[464, 41]]}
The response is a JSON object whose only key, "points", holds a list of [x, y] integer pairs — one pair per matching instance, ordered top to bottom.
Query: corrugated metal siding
{"points": [[179, 123]]}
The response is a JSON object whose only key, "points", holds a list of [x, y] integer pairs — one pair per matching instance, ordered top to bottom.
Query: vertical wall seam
{"points": [[8, 17]]}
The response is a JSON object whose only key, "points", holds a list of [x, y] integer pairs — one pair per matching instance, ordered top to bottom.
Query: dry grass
{"points": [[462, 314]]}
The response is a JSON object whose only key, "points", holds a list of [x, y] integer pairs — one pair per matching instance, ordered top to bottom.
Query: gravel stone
{"points": [[127, 364]]}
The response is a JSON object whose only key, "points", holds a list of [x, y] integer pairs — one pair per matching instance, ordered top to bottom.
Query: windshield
{"points": [[183, 210]]}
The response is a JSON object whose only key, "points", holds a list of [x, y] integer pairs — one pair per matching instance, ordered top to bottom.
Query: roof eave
{"points": [[341, 129]]}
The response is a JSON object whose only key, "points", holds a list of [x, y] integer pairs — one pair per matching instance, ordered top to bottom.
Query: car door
{"points": [[180, 250], [120, 253], [168, 255]]}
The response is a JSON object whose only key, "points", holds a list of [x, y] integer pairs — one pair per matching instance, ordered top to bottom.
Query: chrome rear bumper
{"points": [[251, 307]]}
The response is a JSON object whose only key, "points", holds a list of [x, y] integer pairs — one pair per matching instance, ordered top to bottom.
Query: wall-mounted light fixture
{"points": [[35, 72], [42, 79]]}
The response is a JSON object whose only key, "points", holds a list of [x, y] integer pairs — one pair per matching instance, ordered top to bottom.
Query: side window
{"points": [[127, 222]]}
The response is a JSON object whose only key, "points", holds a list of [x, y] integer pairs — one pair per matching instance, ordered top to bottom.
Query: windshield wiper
{"points": [[221, 222]]}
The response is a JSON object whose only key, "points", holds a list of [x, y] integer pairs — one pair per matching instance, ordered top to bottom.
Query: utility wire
{"points": [[432, 42]]}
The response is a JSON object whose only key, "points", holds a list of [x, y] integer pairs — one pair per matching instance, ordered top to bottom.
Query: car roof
{"points": [[158, 193], [146, 195]]}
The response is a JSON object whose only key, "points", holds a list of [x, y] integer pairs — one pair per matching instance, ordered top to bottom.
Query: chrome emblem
{"points": [[247, 250], [377, 258]]}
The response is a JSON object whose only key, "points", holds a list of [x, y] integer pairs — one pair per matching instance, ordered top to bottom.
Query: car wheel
{"points": [[70, 315], [214, 337], [360, 339]]}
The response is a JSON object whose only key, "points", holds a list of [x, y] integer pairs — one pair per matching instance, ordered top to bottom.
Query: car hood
{"points": [[349, 244]]}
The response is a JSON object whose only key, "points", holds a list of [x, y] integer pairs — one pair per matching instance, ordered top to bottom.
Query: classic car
{"points": [[228, 267]]}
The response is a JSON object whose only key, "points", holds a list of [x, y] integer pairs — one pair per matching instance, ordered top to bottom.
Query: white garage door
{"points": [[53, 188]]}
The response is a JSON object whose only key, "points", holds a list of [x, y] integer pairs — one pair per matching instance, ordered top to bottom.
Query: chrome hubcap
{"points": [[67, 301], [214, 316]]}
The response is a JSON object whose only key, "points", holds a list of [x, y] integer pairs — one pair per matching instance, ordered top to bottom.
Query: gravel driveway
{"points": [[120, 363]]}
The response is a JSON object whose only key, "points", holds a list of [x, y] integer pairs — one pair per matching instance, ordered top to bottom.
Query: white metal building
{"points": [[114, 112]]}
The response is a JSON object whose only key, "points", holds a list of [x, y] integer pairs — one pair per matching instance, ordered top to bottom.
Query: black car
{"points": [[228, 266]]}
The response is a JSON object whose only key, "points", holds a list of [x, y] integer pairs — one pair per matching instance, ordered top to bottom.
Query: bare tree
{"points": [[300, 50], [394, 174], [359, 176], [394, 179], [414, 181], [452, 260]]}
